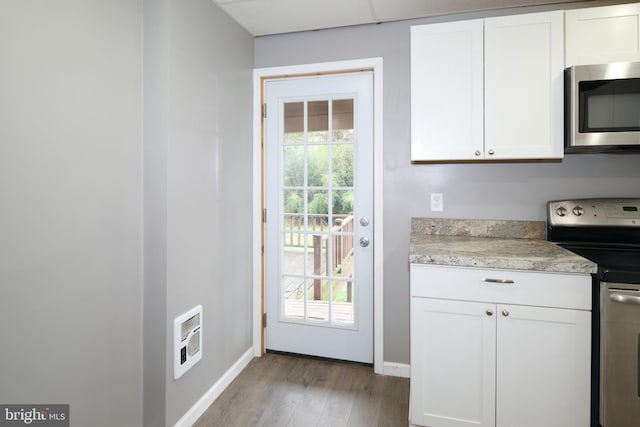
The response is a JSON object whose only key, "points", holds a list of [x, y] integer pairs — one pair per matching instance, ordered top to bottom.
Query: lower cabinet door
{"points": [[453, 349], [543, 374]]}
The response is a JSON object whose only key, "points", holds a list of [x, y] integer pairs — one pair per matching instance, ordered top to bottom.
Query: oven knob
{"points": [[561, 211], [578, 211]]}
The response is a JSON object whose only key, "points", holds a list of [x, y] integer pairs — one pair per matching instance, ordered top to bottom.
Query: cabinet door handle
{"points": [[502, 281], [489, 312], [505, 313]]}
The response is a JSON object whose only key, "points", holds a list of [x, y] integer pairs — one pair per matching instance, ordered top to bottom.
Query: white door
{"points": [[319, 216]]}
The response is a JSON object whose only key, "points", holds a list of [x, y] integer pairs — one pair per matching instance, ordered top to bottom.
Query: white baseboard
{"points": [[397, 369], [215, 391]]}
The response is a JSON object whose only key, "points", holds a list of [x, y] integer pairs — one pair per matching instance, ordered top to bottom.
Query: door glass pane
{"points": [[318, 121], [293, 122], [342, 123], [293, 160], [317, 165], [342, 165], [317, 203], [342, 205], [318, 210], [293, 220], [317, 255], [342, 260], [293, 261], [294, 297], [318, 300], [342, 302]]}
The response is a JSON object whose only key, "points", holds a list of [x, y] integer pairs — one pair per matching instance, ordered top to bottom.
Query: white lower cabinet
{"points": [[453, 354], [498, 362]]}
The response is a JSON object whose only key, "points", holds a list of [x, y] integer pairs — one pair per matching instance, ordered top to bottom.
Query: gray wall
{"points": [[156, 139], [125, 185], [209, 185], [500, 191], [201, 193], [70, 207]]}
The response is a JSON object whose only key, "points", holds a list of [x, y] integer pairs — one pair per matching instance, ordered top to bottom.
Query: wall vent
{"points": [[187, 341]]}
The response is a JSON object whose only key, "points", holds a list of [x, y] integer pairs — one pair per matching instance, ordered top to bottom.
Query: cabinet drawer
{"points": [[535, 288]]}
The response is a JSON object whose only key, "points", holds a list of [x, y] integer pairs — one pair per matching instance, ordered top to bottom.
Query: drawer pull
{"points": [[501, 281]]}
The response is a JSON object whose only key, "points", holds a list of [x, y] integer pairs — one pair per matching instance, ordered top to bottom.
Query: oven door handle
{"points": [[624, 299]]}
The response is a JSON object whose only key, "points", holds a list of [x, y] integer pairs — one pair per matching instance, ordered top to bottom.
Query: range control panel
{"points": [[594, 212]]}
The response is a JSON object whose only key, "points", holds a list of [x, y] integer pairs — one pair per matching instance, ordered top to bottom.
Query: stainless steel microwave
{"points": [[602, 108]]}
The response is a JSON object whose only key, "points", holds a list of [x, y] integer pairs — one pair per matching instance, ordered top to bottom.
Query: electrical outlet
{"points": [[437, 204]]}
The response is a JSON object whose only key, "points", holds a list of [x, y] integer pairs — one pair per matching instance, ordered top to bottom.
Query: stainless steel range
{"points": [[607, 231]]}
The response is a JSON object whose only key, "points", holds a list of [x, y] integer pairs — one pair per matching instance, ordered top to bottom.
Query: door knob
{"points": [[364, 221], [364, 242]]}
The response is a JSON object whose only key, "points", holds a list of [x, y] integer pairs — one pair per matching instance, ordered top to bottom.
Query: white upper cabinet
{"points": [[600, 35], [524, 64], [488, 89], [447, 90]]}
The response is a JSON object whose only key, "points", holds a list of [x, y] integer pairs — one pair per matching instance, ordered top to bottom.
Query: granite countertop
{"points": [[515, 245]]}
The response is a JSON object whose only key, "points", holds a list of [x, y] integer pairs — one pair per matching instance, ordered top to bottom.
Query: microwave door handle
{"points": [[624, 299]]}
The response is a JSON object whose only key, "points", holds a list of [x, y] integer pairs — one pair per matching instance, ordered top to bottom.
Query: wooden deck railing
{"points": [[294, 227], [342, 243]]}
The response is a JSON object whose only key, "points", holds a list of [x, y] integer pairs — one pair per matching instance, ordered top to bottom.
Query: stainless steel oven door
{"points": [[620, 355]]}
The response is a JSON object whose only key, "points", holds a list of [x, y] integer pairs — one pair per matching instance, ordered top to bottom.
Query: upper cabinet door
{"points": [[600, 35], [524, 63], [447, 91]]}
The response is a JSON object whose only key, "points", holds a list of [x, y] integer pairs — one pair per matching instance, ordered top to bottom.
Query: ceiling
{"points": [[264, 17]]}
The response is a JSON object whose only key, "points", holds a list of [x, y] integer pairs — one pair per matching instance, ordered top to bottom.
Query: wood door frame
{"points": [[259, 76]]}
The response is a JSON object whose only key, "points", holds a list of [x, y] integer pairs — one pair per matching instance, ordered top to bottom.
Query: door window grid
{"points": [[320, 292]]}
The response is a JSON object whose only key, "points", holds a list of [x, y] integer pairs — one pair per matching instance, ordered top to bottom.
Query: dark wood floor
{"points": [[282, 390]]}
